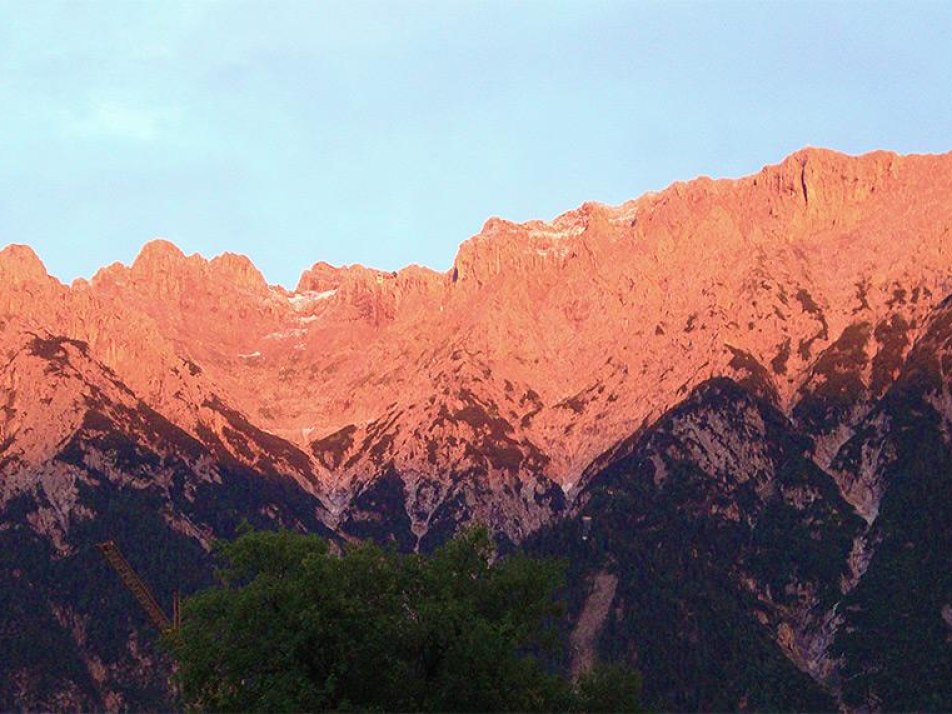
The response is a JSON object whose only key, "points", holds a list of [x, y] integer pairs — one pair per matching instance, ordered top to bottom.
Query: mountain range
{"points": [[729, 403]]}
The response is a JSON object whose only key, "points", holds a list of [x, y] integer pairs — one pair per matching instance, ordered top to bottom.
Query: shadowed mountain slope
{"points": [[102, 465]]}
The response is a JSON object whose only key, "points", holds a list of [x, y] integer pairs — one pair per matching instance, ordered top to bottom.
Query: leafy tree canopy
{"points": [[295, 627]]}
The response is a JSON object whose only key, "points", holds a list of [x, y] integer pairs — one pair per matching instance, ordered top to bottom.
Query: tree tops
{"points": [[294, 627]]}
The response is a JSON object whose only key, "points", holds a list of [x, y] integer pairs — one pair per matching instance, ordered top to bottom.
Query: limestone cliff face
{"points": [[606, 316]]}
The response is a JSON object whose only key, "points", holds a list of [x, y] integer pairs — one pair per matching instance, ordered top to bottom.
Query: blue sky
{"points": [[386, 133]]}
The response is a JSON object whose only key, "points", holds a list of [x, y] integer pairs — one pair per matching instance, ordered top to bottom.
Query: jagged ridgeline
{"points": [[727, 404]]}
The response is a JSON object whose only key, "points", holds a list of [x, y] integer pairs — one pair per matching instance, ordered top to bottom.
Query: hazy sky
{"points": [[386, 133]]}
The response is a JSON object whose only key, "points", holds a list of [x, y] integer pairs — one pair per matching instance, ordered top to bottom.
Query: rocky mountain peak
{"points": [[825, 181], [158, 254], [20, 264], [237, 270], [321, 277]]}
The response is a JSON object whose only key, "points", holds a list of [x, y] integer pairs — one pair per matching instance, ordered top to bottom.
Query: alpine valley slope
{"points": [[747, 335]]}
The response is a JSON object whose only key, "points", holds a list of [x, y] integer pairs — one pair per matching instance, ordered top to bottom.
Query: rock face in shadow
{"points": [[102, 465], [730, 548], [757, 565], [896, 638]]}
